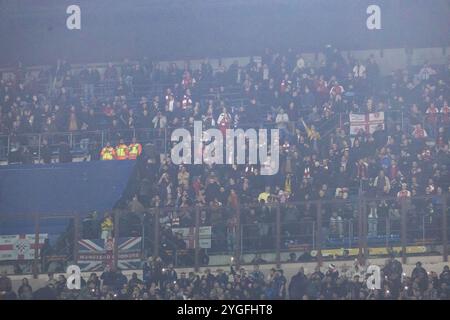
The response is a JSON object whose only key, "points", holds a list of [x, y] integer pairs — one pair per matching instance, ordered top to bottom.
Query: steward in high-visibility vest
{"points": [[134, 150], [121, 151], [108, 152], [107, 228]]}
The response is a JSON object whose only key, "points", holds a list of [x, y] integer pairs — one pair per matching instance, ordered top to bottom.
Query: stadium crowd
{"points": [[310, 103], [407, 157], [163, 282]]}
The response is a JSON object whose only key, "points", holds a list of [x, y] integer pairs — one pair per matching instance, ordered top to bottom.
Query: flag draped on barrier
{"points": [[188, 235], [19, 246], [95, 254]]}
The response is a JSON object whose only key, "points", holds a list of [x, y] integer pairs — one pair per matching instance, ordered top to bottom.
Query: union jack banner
{"points": [[367, 122], [19, 246], [93, 255]]}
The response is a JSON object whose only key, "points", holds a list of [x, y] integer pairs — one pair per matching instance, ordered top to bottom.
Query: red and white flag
{"points": [[367, 122], [19, 246]]}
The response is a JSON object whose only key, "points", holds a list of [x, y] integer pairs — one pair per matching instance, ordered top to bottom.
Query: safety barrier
{"points": [[310, 231]]}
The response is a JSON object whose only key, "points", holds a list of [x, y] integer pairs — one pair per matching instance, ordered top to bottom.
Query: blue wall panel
{"points": [[63, 188]]}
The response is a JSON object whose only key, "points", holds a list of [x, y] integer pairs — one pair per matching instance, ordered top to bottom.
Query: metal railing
{"points": [[81, 142]]}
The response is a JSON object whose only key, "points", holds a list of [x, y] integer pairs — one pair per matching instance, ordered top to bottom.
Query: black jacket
{"points": [[297, 286]]}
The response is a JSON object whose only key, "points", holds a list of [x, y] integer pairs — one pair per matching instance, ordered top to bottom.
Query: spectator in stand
{"points": [[432, 120], [282, 121], [419, 133], [135, 149], [122, 151], [108, 152], [46, 153], [382, 184], [404, 193], [373, 220], [336, 225], [107, 227], [420, 274], [108, 277], [120, 280], [94, 282], [298, 285], [6, 292], [25, 292], [46, 293]]}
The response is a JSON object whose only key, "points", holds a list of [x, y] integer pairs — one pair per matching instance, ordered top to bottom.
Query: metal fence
{"points": [[83, 143], [206, 236]]}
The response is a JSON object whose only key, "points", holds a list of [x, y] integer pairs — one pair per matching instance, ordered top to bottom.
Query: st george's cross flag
{"points": [[367, 122]]}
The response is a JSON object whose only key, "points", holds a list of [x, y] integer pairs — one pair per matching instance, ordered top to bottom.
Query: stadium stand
{"points": [[348, 186]]}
